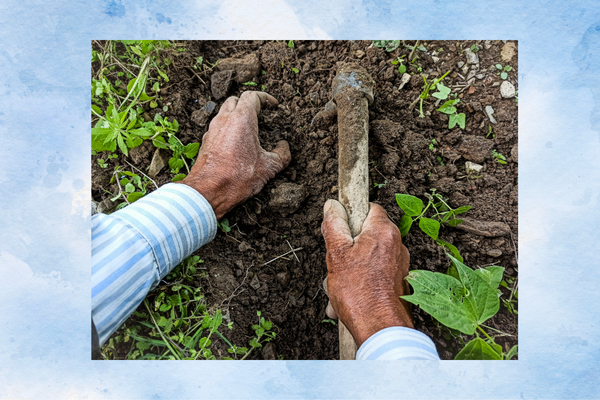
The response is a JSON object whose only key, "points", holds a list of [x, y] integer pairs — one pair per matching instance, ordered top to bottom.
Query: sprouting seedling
{"points": [[291, 44], [388, 45], [475, 48], [402, 67], [295, 70], [503, 71], [250, 83], [425, 93], [454, 117], [490, 131], [432, 144], [499, 157], [380, 185], [414, 211], [224, 225]]}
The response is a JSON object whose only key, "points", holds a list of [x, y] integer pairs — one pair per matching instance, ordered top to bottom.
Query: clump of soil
{"points": [[287, 213]]}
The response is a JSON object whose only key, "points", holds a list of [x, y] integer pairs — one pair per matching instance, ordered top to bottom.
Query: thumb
{"points": [[278, 159], [335, 227]]}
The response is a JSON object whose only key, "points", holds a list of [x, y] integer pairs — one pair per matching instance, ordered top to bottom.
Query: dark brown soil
{"points": [[290, 292]]}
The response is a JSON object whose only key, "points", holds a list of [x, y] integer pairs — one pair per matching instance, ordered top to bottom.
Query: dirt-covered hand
{"points": [[231, 165], [365, 273]]}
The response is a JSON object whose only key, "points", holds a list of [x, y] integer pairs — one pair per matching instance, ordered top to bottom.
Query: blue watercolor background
{"points": [[45, 184]]}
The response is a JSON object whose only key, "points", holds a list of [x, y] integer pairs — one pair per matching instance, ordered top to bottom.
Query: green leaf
{"points": [[291, 44], [136, 50], [499, 66], [508, 68], [402, 69], [295, 70], [504, 75], [249, 83], [443, 91], [153, 104], [96, 109], [447, 110], [456, 119], [103, 139], [160, 143], [122, 145], [191, 150], [175, 164], [178, 177], [129, 188], [133, 197], [411, 205], [461, 210], [455, 222], [405, 224], [430, 226], [452, 249], [492, 275], [459, 304], [254, 343], [477, 349], [512, 352]]}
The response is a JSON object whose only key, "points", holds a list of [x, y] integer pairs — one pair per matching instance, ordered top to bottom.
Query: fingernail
{"points": [[327, 206]]}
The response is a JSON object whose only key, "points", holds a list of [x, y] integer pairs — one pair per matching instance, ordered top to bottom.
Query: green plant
{"points": [[291, 44], [388, 45], [475, 48], [402, 67], [295, 70], [503, 71], [250, 83], [425, 93], [454, 117], [162, 126], [490, 131], [432, 144], [499, 157], [439, 159], [102, 163], [380, 185], [132, 187], [443, 213], [224, 225], [185, 271], [462, 299], [510, 302], [329, 321]]}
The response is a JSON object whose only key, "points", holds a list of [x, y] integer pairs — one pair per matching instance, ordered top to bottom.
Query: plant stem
{"points": [[159, 331], [486, 335]]}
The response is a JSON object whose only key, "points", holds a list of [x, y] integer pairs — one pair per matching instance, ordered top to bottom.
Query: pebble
{"points": [[487, 44], [508, 51], [360, 54], [472, 58], [435, 59], [460, 64], [465, 69], [471, 74], [480, 76], [404, 80], [495, 84], [507, 90], [489, 111], [514, 153], [159, 161], [471, 166], [287, 197], [94, 209], [484, 228], [494, 253], [283, 278], [255, 283], [268, 352]]}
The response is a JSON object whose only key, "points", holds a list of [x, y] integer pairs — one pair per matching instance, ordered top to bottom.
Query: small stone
{"points": [[487, 44], [508, 51], [359, 54], [472, 58], [435, 59], [460, 64], [244, 68], [465, 69], [472, 73], [480, 76], [404, 80], [220, 82], [495, 84], [507, 90], [313, 98], [489, 111], [199, 117], [475, 148], [514, 153], [159, 161], [471, 166], [334, 189], [287, 197], [106, 206], [94, 209], [484, 228], [244, 246], [494, 253], [283, 278], [255, 283], [268, 352]]}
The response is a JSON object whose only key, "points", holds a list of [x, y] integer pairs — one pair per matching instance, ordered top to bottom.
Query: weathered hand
{"points": [[231, 165], [365, 274]]}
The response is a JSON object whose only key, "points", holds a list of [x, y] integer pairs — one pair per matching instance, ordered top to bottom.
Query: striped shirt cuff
{"points": [[175, 220], [136, 247], [398, 343]]}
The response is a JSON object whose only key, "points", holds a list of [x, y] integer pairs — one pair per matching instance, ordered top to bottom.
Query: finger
{"points": [[252, 100], [229, 105], [224, 112], [279, 158], [377, 218], [335, 227], [330, 311]]}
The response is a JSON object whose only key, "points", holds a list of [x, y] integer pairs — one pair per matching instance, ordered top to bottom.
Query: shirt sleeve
{"points": [[134, 248], [398, 343]]}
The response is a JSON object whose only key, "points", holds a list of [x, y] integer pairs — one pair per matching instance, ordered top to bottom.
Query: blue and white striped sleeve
{"points": [[137, 246], [398, 343]]}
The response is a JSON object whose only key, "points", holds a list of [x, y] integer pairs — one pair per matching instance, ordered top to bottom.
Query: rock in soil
{"points": [[508, 51], [472, 58], [245, 68], [404, 80], [220, 82], [507, 90], [489, 111], [199, 117], [475, 148], [514, 153], [159, 161], [473, 167], [287, 198], [106, 206], [484, 228], [494, 253], [283, 278], [254, 283], [268, 352]]}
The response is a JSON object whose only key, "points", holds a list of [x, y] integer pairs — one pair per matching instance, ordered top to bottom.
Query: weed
{"points": [[291, 44], [388, 45], [475, 48], [402, 67], [295, 70], [503, 71], [250, 83], [425, 93], [454, 117], [162, 126], [490, 131], [432, 144], [499, 157], [439, 159], [102, 163], [380, 185], [132, 187], [414, 211], [224, 225], [185, 271], [473, 301], [329, 321]]}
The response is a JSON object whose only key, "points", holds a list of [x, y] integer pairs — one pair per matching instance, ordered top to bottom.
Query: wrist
{"points": [[211, 192]]}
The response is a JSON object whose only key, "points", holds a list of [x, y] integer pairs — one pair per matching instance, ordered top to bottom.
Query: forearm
{"points": [[134, 248]]}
